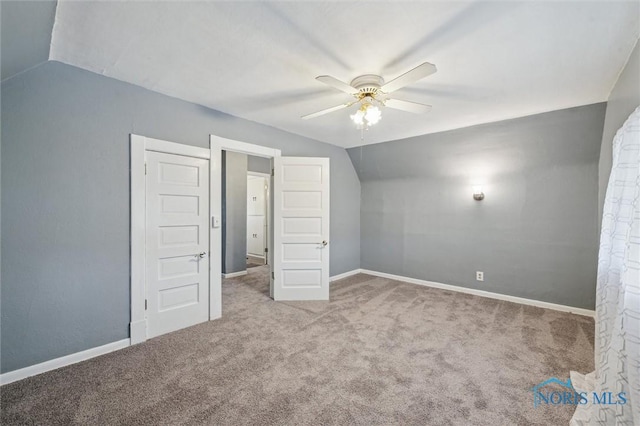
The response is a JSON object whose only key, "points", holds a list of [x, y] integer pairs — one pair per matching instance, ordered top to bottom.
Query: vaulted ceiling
{"points": [[258, 60]]}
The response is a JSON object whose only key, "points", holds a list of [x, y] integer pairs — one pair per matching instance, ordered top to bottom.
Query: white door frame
{"points": [[218, 144], [139, 145], [267, 204]]}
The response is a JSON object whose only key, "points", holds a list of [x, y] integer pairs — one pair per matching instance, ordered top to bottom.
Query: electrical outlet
{"points": [[479, 276]]}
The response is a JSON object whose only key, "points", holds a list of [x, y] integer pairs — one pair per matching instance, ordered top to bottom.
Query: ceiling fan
{"points": [[370, 90]]}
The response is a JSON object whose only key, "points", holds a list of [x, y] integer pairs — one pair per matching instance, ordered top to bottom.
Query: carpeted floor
{"points": [[380, 352]]}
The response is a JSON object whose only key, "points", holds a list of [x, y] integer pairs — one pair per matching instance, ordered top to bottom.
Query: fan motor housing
{"points": [[367, 84]]}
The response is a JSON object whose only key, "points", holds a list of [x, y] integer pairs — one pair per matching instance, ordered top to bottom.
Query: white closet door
{"points": [[256, 203], [177, 242]]}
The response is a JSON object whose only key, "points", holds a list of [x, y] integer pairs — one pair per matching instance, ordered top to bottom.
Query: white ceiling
{"points": [[258, 60]]}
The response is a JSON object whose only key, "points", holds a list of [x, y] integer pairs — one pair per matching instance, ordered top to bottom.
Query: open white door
{"points": [[301, 228]]}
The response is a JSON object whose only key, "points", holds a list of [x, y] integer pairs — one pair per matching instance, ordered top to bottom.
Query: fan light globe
{"points": [[373, 115], [366, 116], [358, 118]]}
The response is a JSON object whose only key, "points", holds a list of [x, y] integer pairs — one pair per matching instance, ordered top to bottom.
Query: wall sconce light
{"points": [[477, 193]]}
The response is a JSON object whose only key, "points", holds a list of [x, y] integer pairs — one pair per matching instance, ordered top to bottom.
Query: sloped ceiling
{"points": [[258, 60]]}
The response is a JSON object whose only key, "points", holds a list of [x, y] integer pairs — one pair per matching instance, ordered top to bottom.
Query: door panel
{"points": [[255, 196], [301, 228], [255, 235], [178, 236], [177, 242], [301, 253], [178, 297]]}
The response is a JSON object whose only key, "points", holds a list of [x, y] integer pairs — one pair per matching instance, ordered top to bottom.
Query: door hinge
{"points": [[145, 168], [273, 172], [266, 249], [273, 275], [145, 304]]}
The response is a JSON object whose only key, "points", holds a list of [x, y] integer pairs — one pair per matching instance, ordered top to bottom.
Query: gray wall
{"points": [[25, 34], [623, 100], [258, 164], [65, 202], [234, 212], [533, 236]]}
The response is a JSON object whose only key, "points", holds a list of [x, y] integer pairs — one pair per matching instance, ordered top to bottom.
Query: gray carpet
{"points": [[380, 352]]}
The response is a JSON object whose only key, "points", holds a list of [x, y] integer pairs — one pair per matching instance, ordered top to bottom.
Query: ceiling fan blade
{"points": [[419, 72], [337, 84], [408, 106], [327, 111]]}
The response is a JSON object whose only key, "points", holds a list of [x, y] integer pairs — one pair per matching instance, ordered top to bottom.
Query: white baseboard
{"points": [[234, 274], [344, 275], [482, 293], [138, 327], [53, 364]]}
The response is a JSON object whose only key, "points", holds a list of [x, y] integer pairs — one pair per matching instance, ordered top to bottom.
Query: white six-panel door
{"points": [[256, 216], [301, 228], [177, 242]]}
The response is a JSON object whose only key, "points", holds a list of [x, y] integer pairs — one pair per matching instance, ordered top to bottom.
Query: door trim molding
{"points": [[218, 144], [138, 146], [259, 174]]}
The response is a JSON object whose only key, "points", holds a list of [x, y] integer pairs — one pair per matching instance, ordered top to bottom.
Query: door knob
{"points": [[324, 243], [201, 255]]}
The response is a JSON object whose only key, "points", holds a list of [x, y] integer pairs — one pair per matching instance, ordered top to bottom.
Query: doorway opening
{"points": [[224, 152], [245, 181], [298, 250]]}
